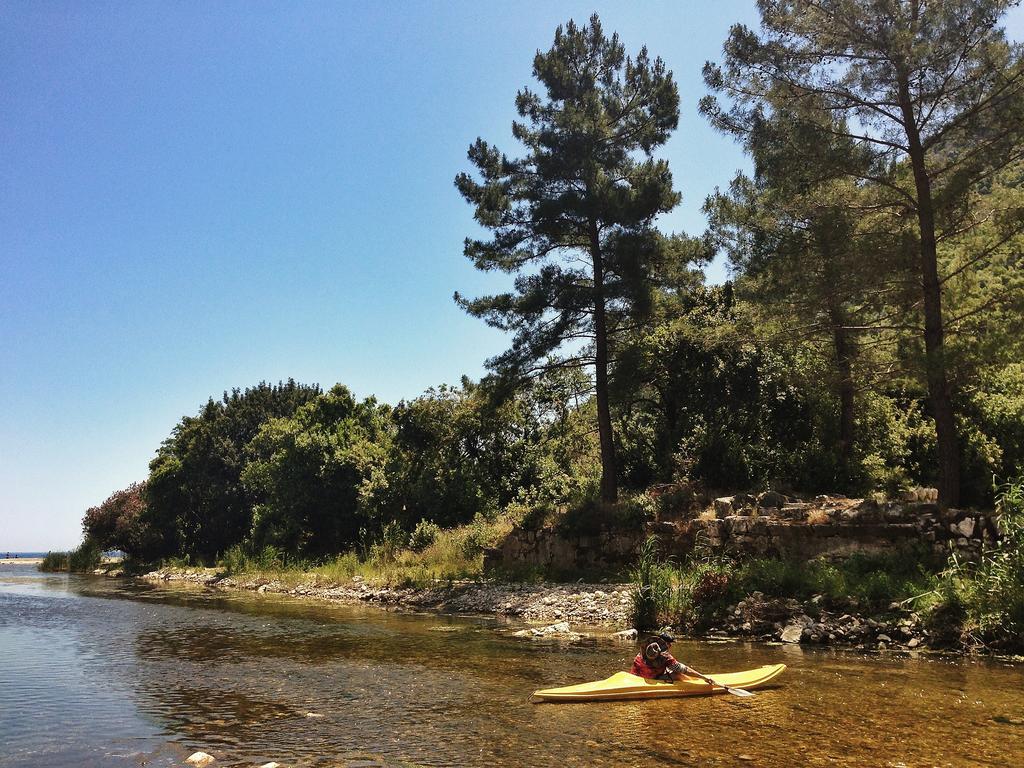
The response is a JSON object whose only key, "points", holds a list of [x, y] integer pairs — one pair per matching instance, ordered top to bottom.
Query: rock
{"points": [[771, 499], [723, 506], [966, 527], [261, 588], [792, 633], [626, 635], [884, 639], [914, 642], [314, 715], [200, 759], [271, 765]]}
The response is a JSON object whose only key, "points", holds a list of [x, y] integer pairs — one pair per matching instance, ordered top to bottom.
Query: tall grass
{"points": [[393, 557], [85, 559], [54, 562], [652, 586], [699, 589], [983, 601]]}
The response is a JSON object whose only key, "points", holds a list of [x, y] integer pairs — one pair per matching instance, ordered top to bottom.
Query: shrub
{"points": [[424, 534], [86, 558], [54, 562], [652, 586]]}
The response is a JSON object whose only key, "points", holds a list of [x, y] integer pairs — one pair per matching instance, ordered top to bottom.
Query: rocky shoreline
{"points": [[593, 605], [565, 607]]}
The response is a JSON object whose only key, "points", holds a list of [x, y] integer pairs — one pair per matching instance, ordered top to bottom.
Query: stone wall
{"points": [[769, 524], [554, 551]]}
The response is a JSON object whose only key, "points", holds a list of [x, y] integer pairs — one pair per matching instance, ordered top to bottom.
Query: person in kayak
{"points": [[655, 662]]}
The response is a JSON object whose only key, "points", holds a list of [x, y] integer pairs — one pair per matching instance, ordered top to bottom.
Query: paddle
{"points": [[734, 691]]}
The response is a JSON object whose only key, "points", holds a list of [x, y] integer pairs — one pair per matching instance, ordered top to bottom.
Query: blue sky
{"points": [[199, 196]]}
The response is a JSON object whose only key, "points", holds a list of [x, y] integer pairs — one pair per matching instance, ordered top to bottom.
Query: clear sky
{"points": [[196, 196]]}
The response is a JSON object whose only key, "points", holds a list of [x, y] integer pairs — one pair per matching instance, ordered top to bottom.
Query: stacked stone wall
{"points": [[770, 524]]}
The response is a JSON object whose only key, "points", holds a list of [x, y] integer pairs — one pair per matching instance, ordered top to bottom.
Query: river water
{"points": [[104, 672]]}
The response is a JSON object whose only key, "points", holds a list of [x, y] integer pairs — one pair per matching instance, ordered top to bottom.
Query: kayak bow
{"points": [[623, 685]]}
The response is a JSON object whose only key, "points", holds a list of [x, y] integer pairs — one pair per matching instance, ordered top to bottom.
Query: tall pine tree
{"points": [[932, 89], [573, 218]]}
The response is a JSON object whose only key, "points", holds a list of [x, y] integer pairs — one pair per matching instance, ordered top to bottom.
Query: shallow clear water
{"points": [[101, 672]]}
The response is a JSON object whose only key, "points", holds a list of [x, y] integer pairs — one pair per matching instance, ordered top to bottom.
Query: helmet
{"points": [[652, 649]]}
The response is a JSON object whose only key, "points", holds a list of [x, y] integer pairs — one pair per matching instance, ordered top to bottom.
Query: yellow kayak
{"points": [[623, 685]]}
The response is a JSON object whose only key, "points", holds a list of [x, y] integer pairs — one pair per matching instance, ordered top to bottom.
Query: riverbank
{"points": [[584, 604], [565, 608]]}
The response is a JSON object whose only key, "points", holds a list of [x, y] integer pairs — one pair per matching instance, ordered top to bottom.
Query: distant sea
{"points": [[11, 553]]}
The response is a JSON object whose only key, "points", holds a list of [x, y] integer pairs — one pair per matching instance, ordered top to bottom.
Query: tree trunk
{"points": [[843, 347], [935, 357], [844, 386], [609, 481]]}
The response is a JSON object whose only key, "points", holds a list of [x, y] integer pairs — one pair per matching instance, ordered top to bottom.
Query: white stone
{"points": [[966, 527], [792, 633], [199, 759], [271, 765]]}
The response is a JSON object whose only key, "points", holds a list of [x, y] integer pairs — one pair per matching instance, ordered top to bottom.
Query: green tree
{"points": [[932, 90], [573, 218], [813, 257], [704, 401], [456, 454], [318, 473], [196, 504], [118, 523]]}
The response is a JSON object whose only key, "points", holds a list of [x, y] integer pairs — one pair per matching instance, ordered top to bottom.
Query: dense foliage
{"points": [[574, 218], [814, 369]]}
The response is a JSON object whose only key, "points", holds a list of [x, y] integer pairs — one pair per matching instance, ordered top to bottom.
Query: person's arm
{"points": [[676, 669]]}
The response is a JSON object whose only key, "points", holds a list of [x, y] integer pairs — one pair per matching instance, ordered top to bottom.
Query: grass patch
{"points": [[429, 556], [85, 559], [54, 562], [699, 590], [981, 604]]}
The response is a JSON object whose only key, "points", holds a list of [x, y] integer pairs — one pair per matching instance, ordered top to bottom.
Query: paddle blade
{"points": [[739, 692]]}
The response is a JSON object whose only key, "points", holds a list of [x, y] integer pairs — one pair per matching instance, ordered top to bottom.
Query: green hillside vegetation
{"points": [[870, 337]]}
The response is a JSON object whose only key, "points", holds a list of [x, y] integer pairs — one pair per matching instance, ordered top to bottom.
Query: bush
{"points": [[592, 516], [424, 534], [86, 558], [240, 558], [54, 562], [652, 586], [987, 597]]}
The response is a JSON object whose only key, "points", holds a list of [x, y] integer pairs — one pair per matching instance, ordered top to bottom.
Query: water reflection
{"points": [[156, 672]]}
